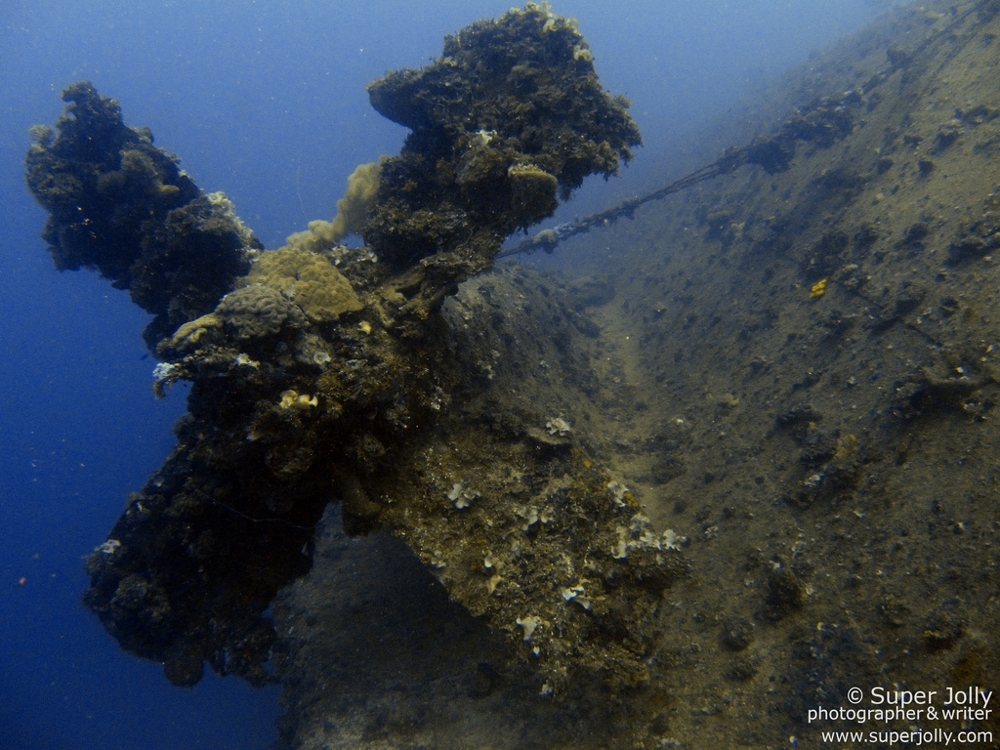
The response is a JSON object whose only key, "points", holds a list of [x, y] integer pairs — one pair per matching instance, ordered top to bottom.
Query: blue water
{"points": [[265, 100]]}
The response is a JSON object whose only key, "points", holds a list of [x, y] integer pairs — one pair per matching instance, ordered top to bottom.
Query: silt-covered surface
{"points": [[792, 370]]}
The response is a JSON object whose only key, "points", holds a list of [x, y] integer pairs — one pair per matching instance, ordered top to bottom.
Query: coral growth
{"points": [[509, 115], [119, 204], [309, 280], [292, 406]]}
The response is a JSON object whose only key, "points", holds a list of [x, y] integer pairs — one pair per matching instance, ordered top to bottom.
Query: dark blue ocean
{"points": [[265, 100]]}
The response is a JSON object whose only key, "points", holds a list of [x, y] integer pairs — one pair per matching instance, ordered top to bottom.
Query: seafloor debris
{"points": [[318, 375]]}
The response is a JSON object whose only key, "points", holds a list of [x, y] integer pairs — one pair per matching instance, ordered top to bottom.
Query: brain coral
{"points": [[309, 280], [256, 310]]}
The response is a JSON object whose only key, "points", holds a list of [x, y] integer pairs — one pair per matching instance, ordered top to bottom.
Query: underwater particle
{"points": [[818, 289], [243, 360], [162, 370], [163, 374], [290, 399], [558, 426], [812, 481], [621, 493], [461, 496], [530, 516], [639, 537], [671, 540], [109, 547], [575, 594], [529, 624]]}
